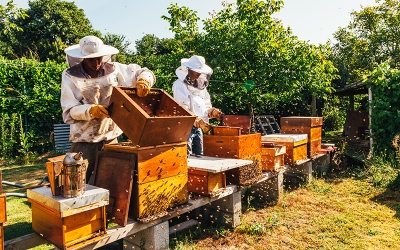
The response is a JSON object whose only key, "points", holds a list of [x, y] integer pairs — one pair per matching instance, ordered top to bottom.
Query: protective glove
{"points": [[142, 87], [98, 111], [215, 113], [200, 123]]}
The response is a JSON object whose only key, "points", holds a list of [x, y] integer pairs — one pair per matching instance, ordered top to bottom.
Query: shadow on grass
{"points": [[391, 197], [15, 230]]}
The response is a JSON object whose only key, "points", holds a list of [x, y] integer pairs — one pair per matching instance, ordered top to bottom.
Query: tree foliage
{"points": [[8, 14], [50, 27], [372, 37], [243, 43], [384, 83], [31, 89]]}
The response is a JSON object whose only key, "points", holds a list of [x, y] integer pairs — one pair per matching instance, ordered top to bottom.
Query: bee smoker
{"points": [[74, 175]]}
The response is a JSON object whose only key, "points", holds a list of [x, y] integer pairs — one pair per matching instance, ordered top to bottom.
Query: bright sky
{"points": [[311, 20]]}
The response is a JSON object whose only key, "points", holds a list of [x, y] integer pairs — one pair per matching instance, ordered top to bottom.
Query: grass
{"points": [[343, 213]]}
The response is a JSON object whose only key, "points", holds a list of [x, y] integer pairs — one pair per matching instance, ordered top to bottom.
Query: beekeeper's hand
{"points": [[142, 87], [98, 111], [215, 113], [200, 123]]}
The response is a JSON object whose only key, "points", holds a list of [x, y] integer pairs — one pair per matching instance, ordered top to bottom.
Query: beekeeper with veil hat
{"points": [[86, 89], [190, 89]]}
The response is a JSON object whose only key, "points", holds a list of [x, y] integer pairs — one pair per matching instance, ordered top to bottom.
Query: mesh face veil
{"points": [[200, 83]]}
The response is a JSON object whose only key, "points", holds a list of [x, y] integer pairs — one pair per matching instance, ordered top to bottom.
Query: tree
{"points": [[8, 13], [52, 25], [371, 38], [119, 42], [244, 44]]}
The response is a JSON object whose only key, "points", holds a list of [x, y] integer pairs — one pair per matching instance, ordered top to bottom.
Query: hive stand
{"points": [[299, 172], [269, 190], [223, 208]]}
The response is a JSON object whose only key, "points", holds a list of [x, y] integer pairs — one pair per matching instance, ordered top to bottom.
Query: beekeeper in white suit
{"points": [[86, 89], [190, 89]]}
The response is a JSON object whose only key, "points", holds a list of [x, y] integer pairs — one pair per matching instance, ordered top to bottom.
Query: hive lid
{"points": [[284, 137], [92, 195]]}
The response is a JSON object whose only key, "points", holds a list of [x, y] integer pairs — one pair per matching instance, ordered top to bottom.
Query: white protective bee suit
{"points": [[80, 93], [194, 97]]}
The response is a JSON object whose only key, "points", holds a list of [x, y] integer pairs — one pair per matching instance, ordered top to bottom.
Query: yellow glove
{"points": [[142, 87], [99, 111], [215, 113], [200, 123]]}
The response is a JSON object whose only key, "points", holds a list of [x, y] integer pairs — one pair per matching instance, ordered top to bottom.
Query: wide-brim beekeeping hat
{"points": [[90, 47]]}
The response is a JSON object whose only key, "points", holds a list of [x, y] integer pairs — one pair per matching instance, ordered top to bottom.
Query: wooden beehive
{"points": [[156, 119], [242, 121], [312, 126], [296, 145], [247, 147], [273, 156], [207, 175], [159, 180], [204, 182], [151, 200], [66, 222]]}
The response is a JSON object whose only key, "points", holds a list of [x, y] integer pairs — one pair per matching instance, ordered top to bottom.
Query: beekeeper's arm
{"points": [[137, 77], [211, 111]]}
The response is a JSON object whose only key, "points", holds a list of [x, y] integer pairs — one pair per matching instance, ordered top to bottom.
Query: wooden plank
{"points": [[301, 121], [226, 131], [215, 164], [112, 168], [3, 208], [25, 242]]}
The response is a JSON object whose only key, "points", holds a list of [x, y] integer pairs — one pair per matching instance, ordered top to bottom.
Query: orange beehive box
{"points": [[156, 119], [241, 121], [312, 126], [296, 145], [246, 147], [273, 156], [160, 178], [204, 183], [66, 222]]}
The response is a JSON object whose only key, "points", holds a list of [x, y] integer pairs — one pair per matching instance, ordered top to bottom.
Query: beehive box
{"points": [[156, 119], [242, 121], [312, 126], [296, 145], [247, 147], [273, 156], [155, 162], [207, 174], [160, 178], [205, 183], [151, 200], [66, 222]]}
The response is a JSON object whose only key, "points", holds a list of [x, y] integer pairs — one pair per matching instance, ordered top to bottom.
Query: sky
{"points": [[314, 21]]}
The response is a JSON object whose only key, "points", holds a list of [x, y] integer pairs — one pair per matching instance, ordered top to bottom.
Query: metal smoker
{"points": [[74, 171]]}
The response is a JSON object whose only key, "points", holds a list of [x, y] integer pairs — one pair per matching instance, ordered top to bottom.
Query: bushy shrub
{"points": [[30, 90]]}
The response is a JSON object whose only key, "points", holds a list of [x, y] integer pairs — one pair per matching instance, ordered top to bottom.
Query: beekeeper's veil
{"points": [[197, 64]]}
